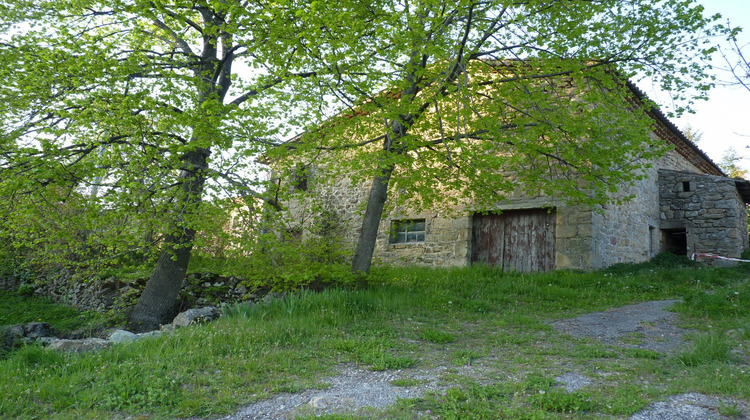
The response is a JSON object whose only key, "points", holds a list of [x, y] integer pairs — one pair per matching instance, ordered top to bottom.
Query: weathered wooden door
{"points": [[516, 240]]}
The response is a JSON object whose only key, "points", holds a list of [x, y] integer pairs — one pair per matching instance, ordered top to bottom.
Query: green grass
{"points": [[19, 308], [408, 317]]}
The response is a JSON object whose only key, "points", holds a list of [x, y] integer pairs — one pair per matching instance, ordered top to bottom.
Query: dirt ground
{"points": [[648, 325]]}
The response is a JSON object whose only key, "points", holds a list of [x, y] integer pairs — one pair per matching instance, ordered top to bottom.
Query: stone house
{"points": [[684, 204]]}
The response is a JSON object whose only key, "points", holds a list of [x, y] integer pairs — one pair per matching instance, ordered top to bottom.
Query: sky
{"points": [[724, 120]]}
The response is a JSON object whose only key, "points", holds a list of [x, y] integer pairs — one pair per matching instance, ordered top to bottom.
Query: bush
{"points": [[285, 258]]}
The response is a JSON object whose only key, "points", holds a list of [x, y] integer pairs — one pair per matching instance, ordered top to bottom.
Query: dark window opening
{"points": [[686, 186], [651, 230], [408, 231], [674, 241]]}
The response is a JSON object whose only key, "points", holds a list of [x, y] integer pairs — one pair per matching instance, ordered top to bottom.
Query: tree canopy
{"points": [[501, 95], [133, 110], [121, 118]]}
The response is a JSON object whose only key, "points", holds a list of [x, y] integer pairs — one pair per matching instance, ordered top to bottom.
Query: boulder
{"points": [[196, 315], [37, 330], [155, 333], [11, 336], [122, 336], [46, 341], [78, 346]]}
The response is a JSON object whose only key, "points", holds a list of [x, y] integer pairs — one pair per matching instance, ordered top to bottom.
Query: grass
{"points": [[20, 308], [408, 317]]}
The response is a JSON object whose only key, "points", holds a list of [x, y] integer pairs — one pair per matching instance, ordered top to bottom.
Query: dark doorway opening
{"points": [[674, 241]]}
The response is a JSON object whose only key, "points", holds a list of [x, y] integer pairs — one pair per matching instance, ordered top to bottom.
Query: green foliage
{"points": [[730, 164], [285, 259], [664, 260], [464, 357], [729, 410]]}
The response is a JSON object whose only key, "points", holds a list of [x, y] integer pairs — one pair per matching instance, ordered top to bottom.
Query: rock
{"points": [[195, 315], [166, 328], [37, 330], [14, 332], [155, 333], [11, 336], [122, 336], [46, 341], [78, 346], [572, 382], [318, 402]]}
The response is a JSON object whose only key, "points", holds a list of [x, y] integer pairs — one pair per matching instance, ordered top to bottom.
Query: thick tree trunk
{"points": [[376, 202], [373, 213], [157, 303]]}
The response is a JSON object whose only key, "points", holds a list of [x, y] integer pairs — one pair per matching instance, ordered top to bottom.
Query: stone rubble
{"points": [[41, 333]]}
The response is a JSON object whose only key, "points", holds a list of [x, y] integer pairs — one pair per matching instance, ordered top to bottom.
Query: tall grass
{"points": [[292, 343]]}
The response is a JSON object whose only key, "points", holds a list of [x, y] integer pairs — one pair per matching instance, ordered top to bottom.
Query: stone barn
{"points": [[684, 204]]}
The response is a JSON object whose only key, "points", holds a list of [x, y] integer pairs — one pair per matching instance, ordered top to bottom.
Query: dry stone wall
{"points": [[710, 209], [629, 232]]}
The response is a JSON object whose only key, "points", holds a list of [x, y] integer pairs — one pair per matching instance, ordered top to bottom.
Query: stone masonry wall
{"points": [[709, 207], [630, 232], [448, 235], [585, 239]]}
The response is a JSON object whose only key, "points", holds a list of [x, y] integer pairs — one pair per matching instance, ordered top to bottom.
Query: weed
{"points": [[16, 308], [437, 337], [294, 342], [707, 348], [643, 354], [464, 357], [563, 402], [729, 410]]}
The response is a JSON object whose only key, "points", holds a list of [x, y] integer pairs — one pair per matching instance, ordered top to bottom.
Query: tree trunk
{"points": [[376, 202], [373, 213], [157, 303]]}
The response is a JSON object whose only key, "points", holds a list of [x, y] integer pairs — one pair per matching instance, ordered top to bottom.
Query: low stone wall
{"points": [[103, 295]]}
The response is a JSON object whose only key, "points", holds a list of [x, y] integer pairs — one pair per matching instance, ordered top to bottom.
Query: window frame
{"points": [[403, 231]]}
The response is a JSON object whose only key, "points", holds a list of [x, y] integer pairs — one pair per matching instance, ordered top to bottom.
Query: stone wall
{"points": [[708, 207], [629, 232], [448, 233], [585, 238]]}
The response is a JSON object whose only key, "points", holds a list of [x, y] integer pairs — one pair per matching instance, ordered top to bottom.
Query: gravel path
{"points": [[646, 325]]}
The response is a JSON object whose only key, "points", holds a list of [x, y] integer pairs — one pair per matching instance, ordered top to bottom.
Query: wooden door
{"points": [[516, 240]]}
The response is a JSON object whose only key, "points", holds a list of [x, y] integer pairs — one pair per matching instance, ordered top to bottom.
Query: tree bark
{"points": [[376, 201], [373, 213], [157, 303]]}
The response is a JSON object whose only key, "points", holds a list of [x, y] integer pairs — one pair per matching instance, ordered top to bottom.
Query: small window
{"points": [[685, 186], [407, 231]]}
